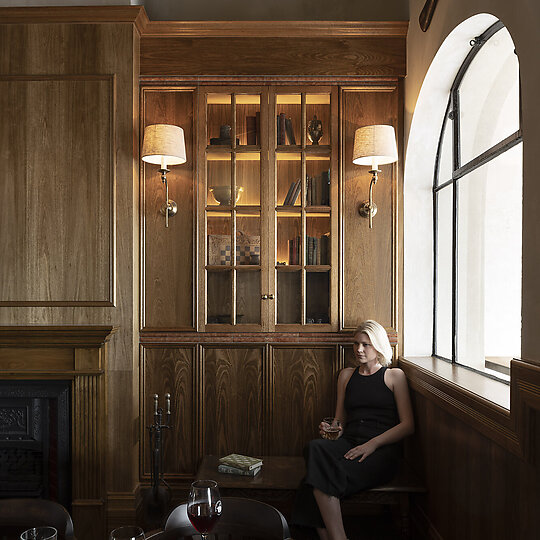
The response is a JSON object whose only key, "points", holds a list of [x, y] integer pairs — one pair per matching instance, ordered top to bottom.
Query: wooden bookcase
{"points": [[277, 280], [243, 369]]}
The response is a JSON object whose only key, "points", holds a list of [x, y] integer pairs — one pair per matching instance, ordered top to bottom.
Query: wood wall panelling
{"points": [[283, 56], [56, 148], [89, 251], [368, 268], [168, 286], [170, 370], [304, 392], [231, 400], [476, 488]]}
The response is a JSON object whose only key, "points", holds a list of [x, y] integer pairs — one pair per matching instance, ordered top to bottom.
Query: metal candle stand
{"points": [[156, 500]]}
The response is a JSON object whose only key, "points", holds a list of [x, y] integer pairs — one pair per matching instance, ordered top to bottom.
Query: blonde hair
{"points": [[379, 339]]}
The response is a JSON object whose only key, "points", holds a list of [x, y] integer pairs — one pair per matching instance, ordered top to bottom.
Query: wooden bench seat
{"points": [[280, 476]]}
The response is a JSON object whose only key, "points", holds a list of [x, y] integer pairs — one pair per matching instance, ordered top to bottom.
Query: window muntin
{"points": [[489, 97], [477, 304]]}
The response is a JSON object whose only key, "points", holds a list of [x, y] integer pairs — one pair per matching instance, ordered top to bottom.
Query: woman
{"points": [[374, 406]]}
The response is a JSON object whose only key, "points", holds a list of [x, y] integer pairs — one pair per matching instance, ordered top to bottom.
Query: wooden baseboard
{"points": [[124, 508], [421, 526]]}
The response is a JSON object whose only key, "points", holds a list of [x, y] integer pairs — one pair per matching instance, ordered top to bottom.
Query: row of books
{"points": [[284, 130], [318, 189], [292, 194], [317, 250], [240, 464]]}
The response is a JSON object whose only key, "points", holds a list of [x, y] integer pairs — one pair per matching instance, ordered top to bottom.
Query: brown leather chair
{"points": [[18, 515], [240, 518]]}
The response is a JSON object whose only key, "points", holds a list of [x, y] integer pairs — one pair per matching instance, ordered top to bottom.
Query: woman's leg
{"points": [[331, 513], [323, 534]]}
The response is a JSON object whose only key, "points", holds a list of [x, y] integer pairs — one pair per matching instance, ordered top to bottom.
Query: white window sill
{"points": [[485, 388]]}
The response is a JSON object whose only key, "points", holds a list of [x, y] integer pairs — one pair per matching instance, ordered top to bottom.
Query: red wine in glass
{"points": [[204, 506]]}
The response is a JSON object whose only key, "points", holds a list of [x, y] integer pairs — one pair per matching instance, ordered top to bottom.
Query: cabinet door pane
{"points": [[219, 117], [248, 119], [288, 119], [318, 119], [218, 178], [248, 178], [288, 179], [317, 181], [219, 239], [289, 239], [317, 240], [219, 294], [248, 297], [289, 297], [318, 297]]}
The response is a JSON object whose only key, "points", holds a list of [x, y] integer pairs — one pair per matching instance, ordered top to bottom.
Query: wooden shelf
{"points": [[216, 152], [289, 152], [225, 211], [225, 267]]}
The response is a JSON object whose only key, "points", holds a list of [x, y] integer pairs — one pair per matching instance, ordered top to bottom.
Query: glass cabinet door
{"points": [[304, 221], [234, 275]]}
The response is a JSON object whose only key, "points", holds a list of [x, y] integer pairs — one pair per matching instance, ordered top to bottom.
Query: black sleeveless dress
{"points": [[371, 410]]}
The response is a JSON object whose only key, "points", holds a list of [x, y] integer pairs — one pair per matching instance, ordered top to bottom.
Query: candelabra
{"points": [[158, 498]]}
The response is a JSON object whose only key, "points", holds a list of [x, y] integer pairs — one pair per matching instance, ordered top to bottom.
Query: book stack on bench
{"points": [[239, 464]]}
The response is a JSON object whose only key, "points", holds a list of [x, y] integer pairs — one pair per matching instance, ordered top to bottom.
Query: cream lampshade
{"points": [[164, 145], [373, 146]]}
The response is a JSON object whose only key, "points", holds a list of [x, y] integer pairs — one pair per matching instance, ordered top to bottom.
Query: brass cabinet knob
{"points": [[270, 296], [264, 297]]}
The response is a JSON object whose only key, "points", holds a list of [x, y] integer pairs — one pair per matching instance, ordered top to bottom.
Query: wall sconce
{"points": [[164, 145], [374, 146]]}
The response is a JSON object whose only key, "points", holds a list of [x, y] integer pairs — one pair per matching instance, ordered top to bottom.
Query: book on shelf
{"points": [[258, 127], [280, 129], [251, 130], [289, 131], [297, 189], [318, 189], [292, 194], [288, 197], [294, 245], [246, 463], [227, 469]]}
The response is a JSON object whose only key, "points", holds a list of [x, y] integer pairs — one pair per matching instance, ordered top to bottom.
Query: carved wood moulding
{"points": [[75, 14], [284, 29], [55, 336], [171, 338]]}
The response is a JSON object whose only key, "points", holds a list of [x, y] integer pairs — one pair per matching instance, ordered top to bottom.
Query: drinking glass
{"points": [[331, 428], [204, 506], [127, 532], [40, 533]]}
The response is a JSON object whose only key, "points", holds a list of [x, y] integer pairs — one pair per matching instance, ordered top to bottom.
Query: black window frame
{"points": [[459, 170]]}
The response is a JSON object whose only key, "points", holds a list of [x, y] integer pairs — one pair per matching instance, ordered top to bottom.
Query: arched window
{"points": [[477, 211]]}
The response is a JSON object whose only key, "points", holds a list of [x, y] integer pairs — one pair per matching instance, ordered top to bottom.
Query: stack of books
{"points": [[239, 464]]}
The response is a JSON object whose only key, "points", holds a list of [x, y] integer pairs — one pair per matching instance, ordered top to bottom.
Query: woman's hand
{"points": [[323, 427], [362, 451]]}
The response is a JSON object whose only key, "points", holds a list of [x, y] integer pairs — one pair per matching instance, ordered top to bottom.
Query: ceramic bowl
{"points": [[222, 194]]}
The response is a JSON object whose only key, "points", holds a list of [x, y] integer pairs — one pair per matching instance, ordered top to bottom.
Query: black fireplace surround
{"points": [[35, 434]]}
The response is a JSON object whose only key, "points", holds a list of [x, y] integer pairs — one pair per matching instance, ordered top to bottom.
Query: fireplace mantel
{"points": [[76, 353]]}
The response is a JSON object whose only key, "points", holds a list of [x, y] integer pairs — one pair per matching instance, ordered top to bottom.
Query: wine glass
{"points": [[331, 428], [204, 506], [127, 532], [40, 533]]}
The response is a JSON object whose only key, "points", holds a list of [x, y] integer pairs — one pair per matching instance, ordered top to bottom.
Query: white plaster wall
{"points": [[521, 18]]}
